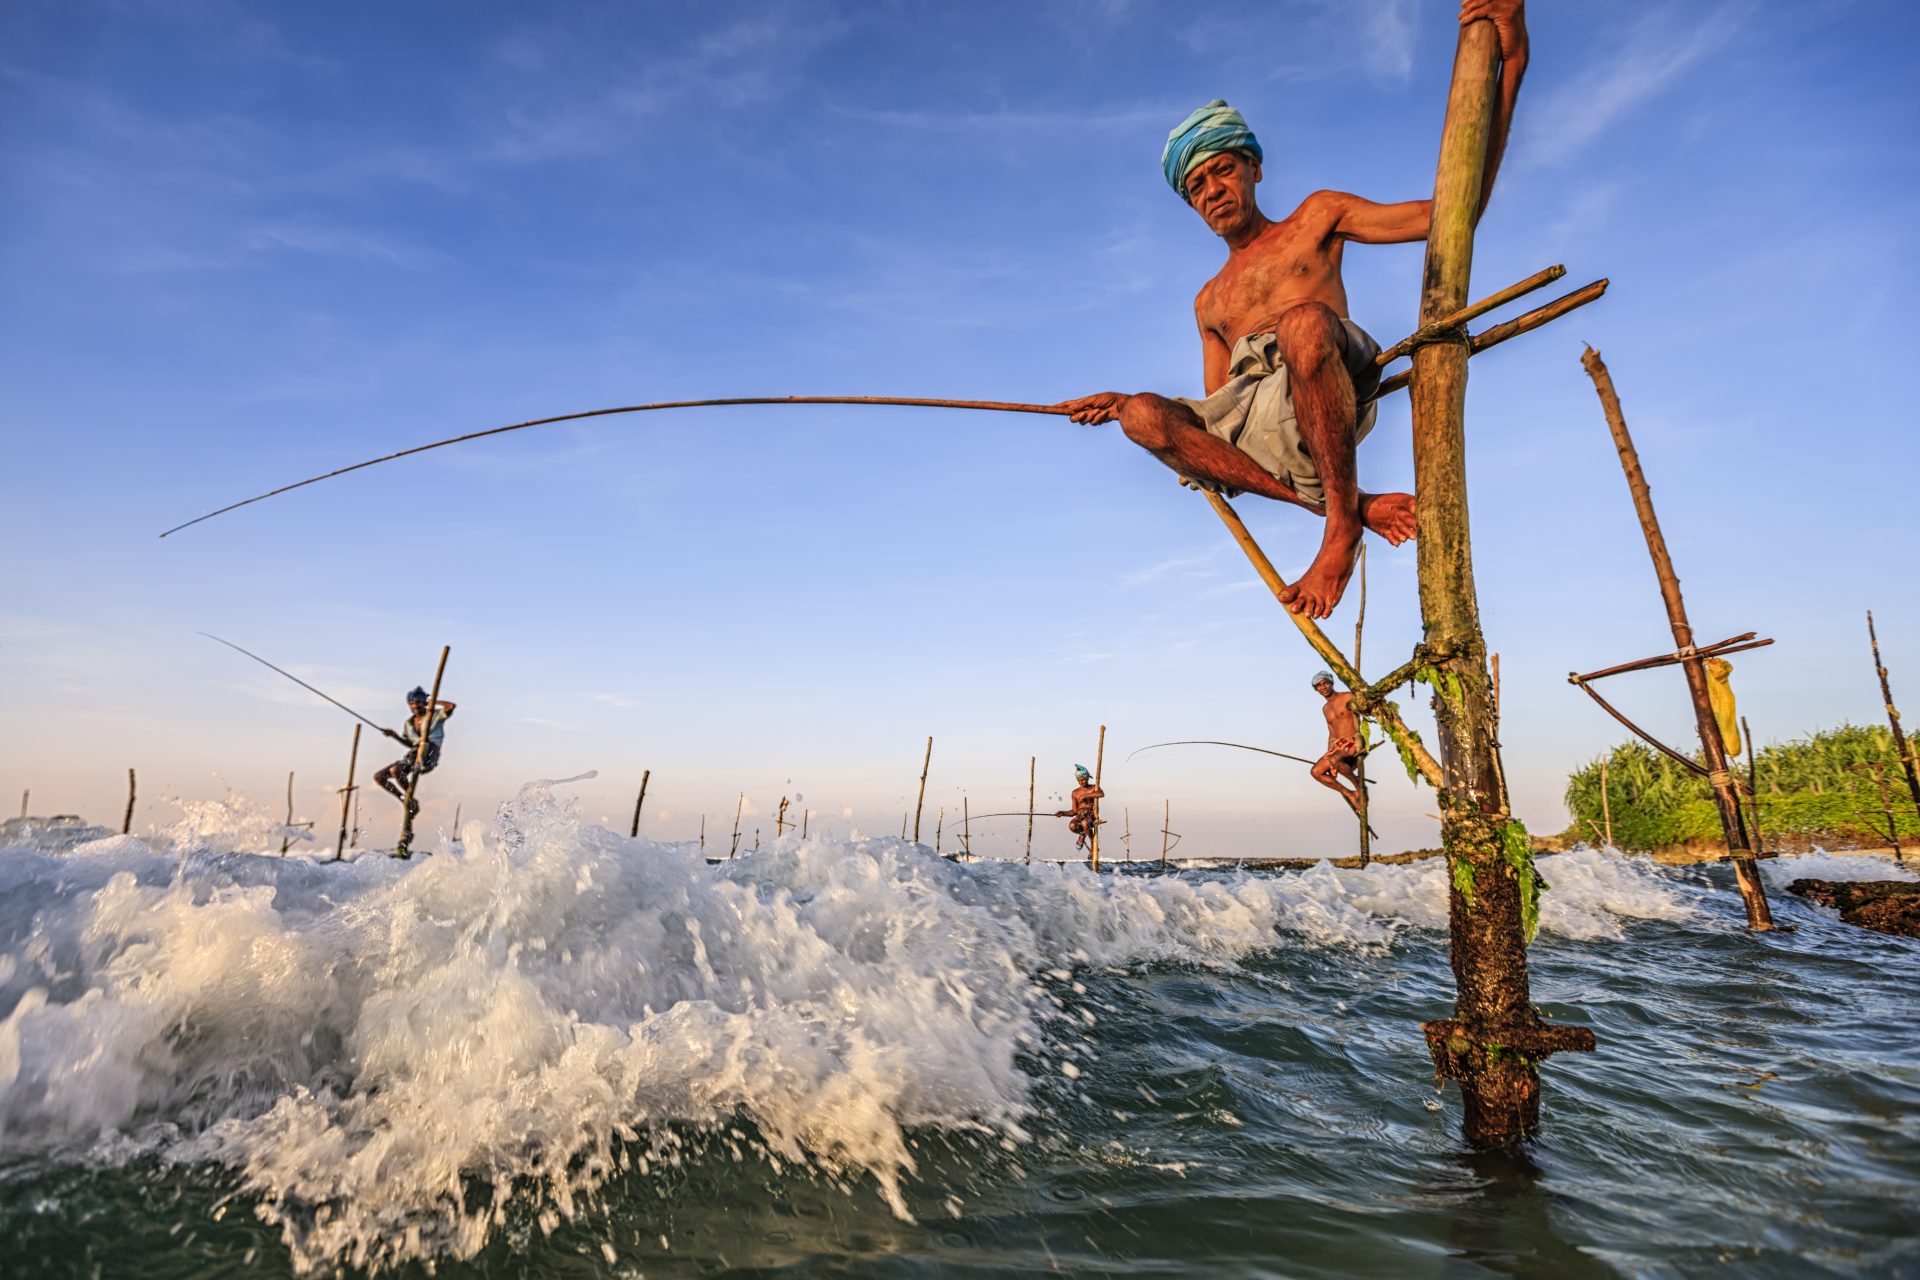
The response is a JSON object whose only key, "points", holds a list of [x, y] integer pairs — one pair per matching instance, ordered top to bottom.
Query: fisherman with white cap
{"points": [[1289, 377], [1342, 758]]}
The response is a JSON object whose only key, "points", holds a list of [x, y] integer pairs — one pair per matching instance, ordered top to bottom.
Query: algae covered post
{"points": [[1493, 1044]]}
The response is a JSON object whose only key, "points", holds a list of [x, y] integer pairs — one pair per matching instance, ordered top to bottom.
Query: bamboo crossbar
{"points": [[1472, 311], [1494, 335], [1738, 644], [1383, 712], [1643, 735]]}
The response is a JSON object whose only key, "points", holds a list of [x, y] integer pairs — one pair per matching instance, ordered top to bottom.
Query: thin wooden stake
{"points": [[1900, 744], [1099, 764], [1360, 765], [645, 776], [1753, 790], [346, 795], [24, 797], [1606, 800], [921, 802], [738, 808], [806, 816], [939, 820], [1166, 821], [126, 823], [780, 823], [966, 827], [286, 829], [1126, 831], [703, 833], [353, 841], [404, 848], [1029, 857], [1746, 874], [1493, 1043]]}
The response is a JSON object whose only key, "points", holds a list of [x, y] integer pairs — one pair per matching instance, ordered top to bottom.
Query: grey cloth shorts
{"points": [[1253, 409]]}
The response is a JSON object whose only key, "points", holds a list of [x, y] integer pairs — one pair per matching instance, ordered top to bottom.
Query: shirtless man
{"points": [[1289, 378], [1343, 743], [398, 774], [1084, 816]]}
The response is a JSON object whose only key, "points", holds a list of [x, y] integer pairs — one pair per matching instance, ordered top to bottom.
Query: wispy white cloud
{"points": [[1654, 54]]}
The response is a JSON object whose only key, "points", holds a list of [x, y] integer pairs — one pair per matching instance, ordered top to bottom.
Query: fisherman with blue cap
{"points": [[1289, 377], [394, 778], [1084, 817]]}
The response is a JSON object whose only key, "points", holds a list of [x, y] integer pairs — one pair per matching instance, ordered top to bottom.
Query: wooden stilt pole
{"points": [[1900, 744], [1713, 748], [1099, 765], [1360, 765], [645, 776], [1753, 789], [346, 796], [24, 797], [1606, 799], [921, 802], [738, 808], [806, 817], [939, 821], [126, 823], [780, 823], [1166, 823], [966, 826], [286, 828], [1126, 831], [703, 833], [353, 841], [404, 847], [1028, 859], [1495, 1040]]}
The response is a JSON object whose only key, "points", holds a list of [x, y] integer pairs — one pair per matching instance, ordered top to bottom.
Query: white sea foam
{"points": [[1821, 865], [387, 1053]]}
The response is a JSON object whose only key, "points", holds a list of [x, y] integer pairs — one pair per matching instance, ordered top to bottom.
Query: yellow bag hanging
{"points": [[1720, 694]]}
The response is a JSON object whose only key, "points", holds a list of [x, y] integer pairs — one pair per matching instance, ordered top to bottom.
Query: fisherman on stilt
{"points": [[1289, 378], [1342, 758], [394, 778], [1083, 819]]}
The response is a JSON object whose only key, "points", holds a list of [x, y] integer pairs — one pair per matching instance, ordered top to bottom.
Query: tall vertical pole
{"points": [[1900, 746], [1360, 765], [645, 774], [1753, 789], [346, 795], [24, 797], [1606, 799], [921, 802], [738, 808], [806, 818], [1093, 819], [126, 823], [1166, 823], [966, 826], [286, 829], [1126, 832], [703, 833], [353, 841], [403, 848], [1028, 859], [1745, 873], [1493, 1043]]}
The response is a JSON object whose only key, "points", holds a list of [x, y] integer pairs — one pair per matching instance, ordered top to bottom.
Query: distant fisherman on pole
{"points": [[1289, 378], [394, 778], [1083, 819]]}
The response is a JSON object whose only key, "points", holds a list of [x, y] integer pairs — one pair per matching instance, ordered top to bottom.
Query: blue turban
{"points": [[1206, 133]]}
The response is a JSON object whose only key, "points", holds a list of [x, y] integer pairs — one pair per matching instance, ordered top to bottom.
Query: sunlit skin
{"points": [[1284, 278], [1343, 745]]}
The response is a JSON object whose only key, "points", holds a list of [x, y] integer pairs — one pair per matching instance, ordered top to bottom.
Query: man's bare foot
{"points": [[1391, 515], [1325, 580]]}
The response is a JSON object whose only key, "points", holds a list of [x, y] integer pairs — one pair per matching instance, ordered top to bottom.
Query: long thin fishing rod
{"points": [[999, 406], [297, 680], [1211, 742]]}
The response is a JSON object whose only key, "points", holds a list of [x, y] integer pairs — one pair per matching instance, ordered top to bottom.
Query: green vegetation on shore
{"points": [[1808, 795]]}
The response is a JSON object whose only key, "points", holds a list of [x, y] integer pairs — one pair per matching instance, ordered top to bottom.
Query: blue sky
{"points": [[246, 243]]}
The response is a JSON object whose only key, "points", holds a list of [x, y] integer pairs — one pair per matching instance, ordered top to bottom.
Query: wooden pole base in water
{"points": [[346, 795], [1493, 1044]]}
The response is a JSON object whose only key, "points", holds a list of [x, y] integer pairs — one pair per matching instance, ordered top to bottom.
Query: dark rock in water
{"points": [[1887, 906]]}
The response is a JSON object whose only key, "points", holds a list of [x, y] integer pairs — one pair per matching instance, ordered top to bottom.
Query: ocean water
{"points": [[558, 1052]]}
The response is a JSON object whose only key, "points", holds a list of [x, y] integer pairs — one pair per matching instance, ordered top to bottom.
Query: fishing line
{"points": [[999, 406], [302, 683]]}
